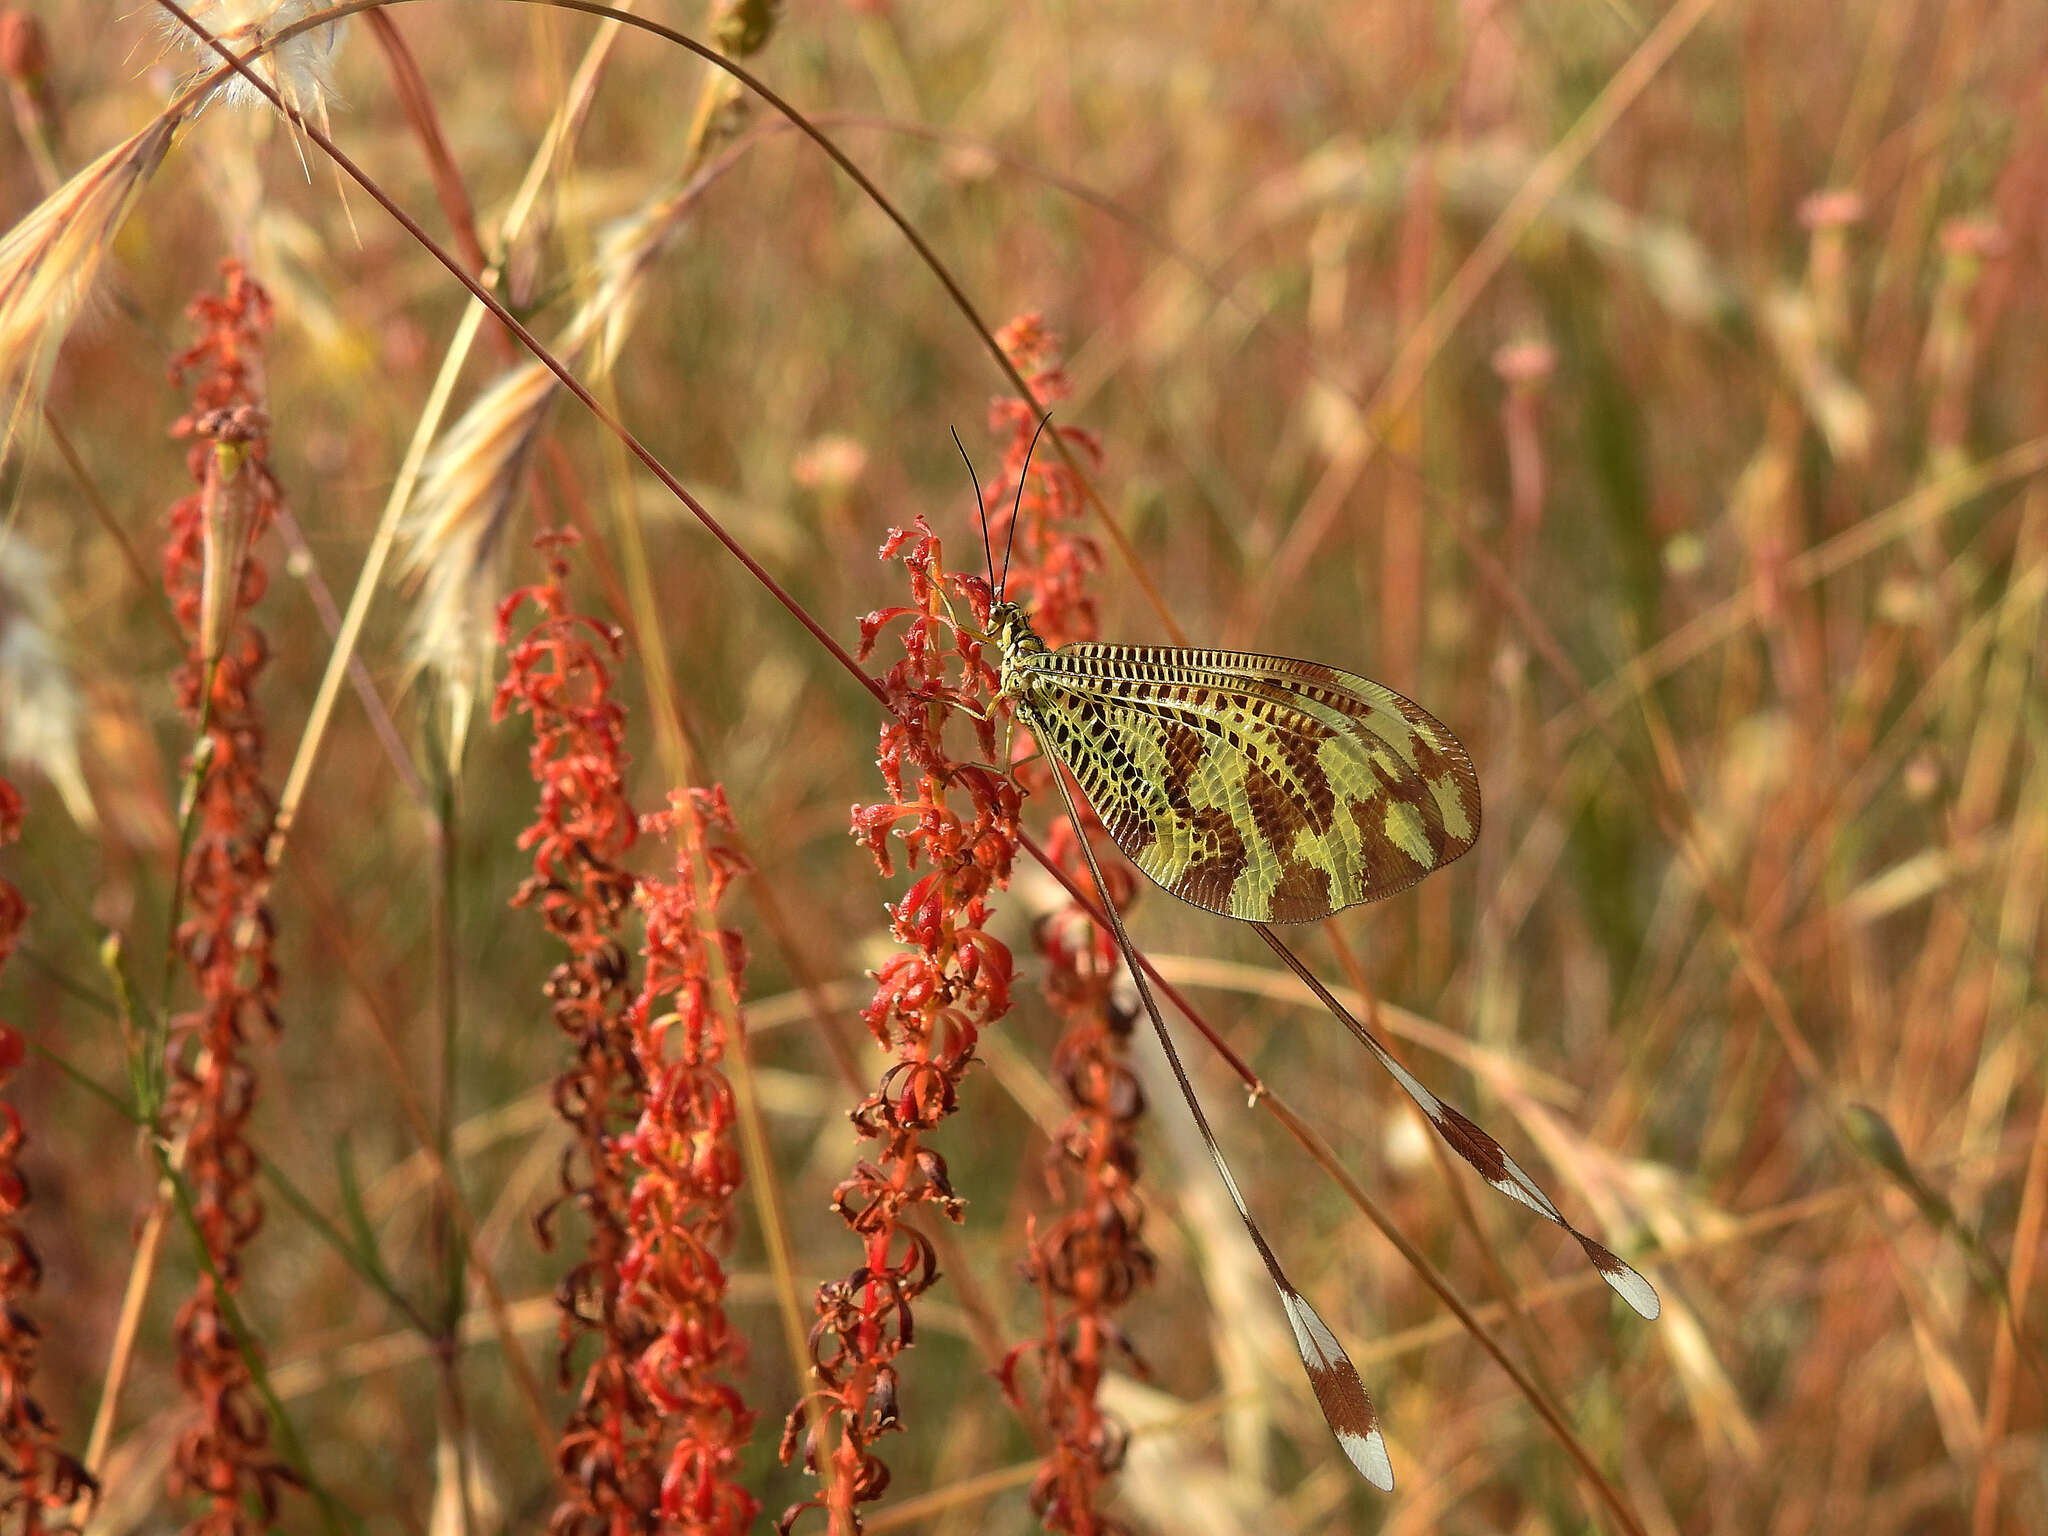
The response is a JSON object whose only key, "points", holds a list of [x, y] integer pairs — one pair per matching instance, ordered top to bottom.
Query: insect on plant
{"points": [[1269, 790]]}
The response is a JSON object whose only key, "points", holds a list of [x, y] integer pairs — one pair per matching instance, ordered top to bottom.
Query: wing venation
{"points": [[1259, 787]]}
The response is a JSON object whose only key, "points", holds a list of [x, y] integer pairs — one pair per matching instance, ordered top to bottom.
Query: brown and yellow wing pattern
{"points": [[1259, 787]]}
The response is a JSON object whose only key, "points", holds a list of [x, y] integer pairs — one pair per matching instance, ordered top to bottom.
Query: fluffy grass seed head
{"points": [[300, 69], [627, 252], [453, 534]]}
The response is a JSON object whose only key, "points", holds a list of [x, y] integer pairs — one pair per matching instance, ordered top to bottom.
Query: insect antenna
{"points": [[981, 507], [1003, 586], [1487, 1156], [1341, 1395]]}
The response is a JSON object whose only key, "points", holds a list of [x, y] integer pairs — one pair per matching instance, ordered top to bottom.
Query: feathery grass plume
{"points": [[300, 69], [627, 251], [48, 262], [453, 533], [452, 538], [558, 673], [40, 709], [225, 934], [950, 981], [681, 1211], [1090, 1258], [39, 1481]]}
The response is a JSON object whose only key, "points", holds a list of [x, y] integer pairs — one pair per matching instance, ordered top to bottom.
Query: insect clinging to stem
{"points": [[1269, 790]]}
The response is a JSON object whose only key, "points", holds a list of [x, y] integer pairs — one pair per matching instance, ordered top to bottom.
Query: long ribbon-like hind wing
{"points": [[1487, 1156], [1339, 1392]]}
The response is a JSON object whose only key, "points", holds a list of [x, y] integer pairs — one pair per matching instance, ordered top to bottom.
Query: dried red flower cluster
{"points": [[1051, 559], [558, 674], [224, 935], [932, 1000], [679, 1217], [1090, 1258], [39, 1482]]}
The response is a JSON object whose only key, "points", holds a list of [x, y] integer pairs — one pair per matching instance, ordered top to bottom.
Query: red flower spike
{"points": [[214, 578], [558, 675], [959, 827], [681, 1214], [1091, 1257], [657, 1431], [39, 1481]]}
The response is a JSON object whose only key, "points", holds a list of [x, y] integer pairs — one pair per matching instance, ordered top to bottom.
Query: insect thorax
{"points": [[1018, 644]]}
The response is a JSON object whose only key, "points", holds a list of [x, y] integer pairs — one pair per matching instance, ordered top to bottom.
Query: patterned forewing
{"points": [[1423, 741], [1258, 787]]}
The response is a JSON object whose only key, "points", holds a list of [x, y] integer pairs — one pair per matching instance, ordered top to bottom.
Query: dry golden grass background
{"points": [[1655, 393]]}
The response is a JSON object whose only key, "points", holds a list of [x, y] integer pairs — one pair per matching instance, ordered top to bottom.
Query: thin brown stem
{"points": [[411, 88], [88, 487], [381, 724], [386, 1033]]}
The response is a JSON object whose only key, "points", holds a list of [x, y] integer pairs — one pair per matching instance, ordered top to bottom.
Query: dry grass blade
{"points": [[50, 259]]}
